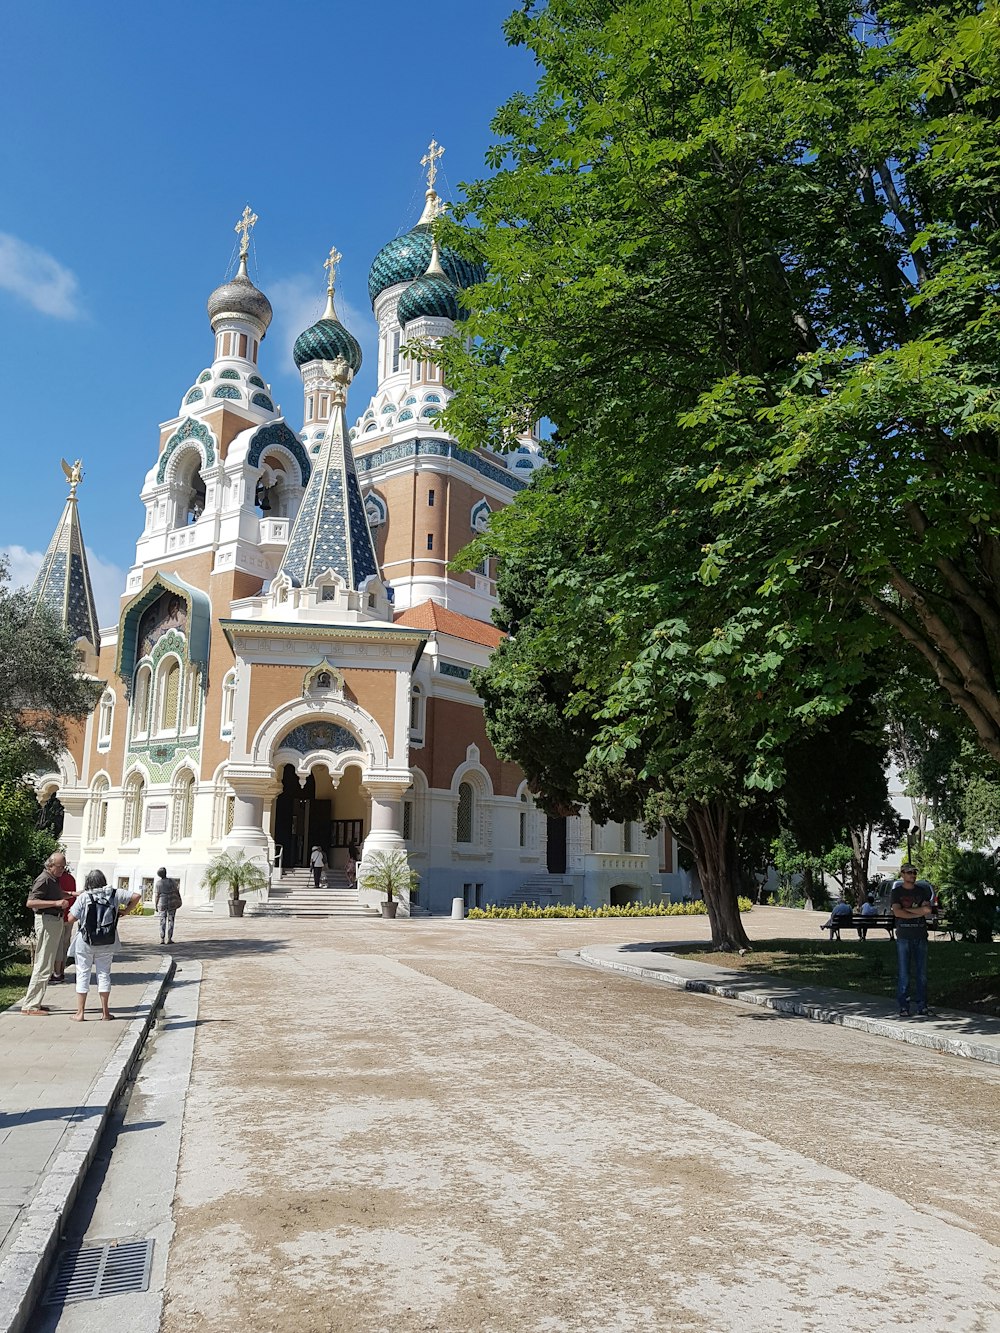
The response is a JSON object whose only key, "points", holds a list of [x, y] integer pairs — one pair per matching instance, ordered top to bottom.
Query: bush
{"points": [[23, 850], [532, 911]]}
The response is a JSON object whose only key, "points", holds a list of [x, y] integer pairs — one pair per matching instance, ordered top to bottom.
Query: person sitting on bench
{"points": [[868, 908]]}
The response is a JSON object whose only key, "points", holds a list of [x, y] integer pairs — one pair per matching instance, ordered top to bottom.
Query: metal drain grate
{"points": [[102, 1270]]}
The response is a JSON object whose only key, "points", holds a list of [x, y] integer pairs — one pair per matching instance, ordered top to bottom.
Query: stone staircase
{"points": [[542, 891], [295, 895]]}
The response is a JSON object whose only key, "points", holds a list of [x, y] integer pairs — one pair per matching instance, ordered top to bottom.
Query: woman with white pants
{"points": [[95, 956]]}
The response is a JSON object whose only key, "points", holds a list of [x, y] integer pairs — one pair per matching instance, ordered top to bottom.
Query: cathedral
{"points": [[291, 663]]}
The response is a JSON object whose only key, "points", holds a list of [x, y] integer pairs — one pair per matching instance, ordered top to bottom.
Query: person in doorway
{"points": [[317, 860], [67, 884], [45, 899], [166, 901], [910, 904], [97, 954]]}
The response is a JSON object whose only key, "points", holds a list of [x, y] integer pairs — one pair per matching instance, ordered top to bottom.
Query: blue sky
{"points": [[133, 137]]}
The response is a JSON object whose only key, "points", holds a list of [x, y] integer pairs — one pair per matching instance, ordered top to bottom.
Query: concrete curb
{"points": [[923, 1035], [25, 1267]]}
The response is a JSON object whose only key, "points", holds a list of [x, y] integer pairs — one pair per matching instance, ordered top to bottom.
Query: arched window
{"points": [[188, 490], [169, 694], [142, 699], [192, 700], [228, 703], [416, 713], [105, 719], [134, 796], [466, 812], [183, 819], [97, 824]]}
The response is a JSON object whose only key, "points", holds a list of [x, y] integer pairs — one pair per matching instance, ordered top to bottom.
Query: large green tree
{"points": [[757, 243], [41, 693]]}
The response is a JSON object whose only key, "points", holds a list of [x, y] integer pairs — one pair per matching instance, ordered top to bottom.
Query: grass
{"points": [[959, 975], [14, 976]]}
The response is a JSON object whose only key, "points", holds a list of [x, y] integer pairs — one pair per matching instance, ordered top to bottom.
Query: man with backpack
{"points": [[96, 912]]}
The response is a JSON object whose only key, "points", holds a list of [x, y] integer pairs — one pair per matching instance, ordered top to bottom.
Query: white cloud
{"points": [[37, 278], [297, 304], [107, 579]]}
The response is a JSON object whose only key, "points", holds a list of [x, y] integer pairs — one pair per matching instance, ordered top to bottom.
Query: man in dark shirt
{"points": [[46, 900], [910, 904]]}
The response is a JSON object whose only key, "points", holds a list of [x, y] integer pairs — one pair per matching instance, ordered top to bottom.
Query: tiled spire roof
{"points": [[331, 528], [63, 581]]}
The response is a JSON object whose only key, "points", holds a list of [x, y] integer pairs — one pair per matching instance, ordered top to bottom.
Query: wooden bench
{"points": [[862, 924]]}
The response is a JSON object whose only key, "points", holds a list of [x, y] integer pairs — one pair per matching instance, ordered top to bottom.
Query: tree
{"points": [[745, 257], [41, 693], [234, 872]]}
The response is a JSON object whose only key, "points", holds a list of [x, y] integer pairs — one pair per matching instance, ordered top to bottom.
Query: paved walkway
{"points": [[385, 1000], [974, 1036], [59, 1080]]}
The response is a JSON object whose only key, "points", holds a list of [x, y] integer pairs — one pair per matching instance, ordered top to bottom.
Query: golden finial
{"points": [[430, 161], [245, 226], [330, 264], [74, 475]]}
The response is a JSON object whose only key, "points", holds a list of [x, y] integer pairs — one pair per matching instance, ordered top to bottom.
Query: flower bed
{"points": [[532, 912]]}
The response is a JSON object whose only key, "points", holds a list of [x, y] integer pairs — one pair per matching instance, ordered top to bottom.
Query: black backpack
{"points": [[100, 918]]}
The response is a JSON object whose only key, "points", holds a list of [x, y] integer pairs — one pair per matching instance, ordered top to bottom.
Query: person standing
{"points": [[318, 862], [68, 886], [45, 899], [166, 900], [910, 904], [97, 953]]}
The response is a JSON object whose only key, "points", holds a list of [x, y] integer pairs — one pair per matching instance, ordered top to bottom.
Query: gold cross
{"points": [[430, 160], [245, 226], [331, 266]]}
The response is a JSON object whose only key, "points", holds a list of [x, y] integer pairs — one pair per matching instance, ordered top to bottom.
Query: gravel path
{"points": [[432, 1125]]}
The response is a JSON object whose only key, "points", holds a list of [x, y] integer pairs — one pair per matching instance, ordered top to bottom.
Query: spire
{"points": [[431, 200], [331, 529], [63, 581]]}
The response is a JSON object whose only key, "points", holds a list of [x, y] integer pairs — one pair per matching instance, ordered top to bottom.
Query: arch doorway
{"points": [[319, 811]]}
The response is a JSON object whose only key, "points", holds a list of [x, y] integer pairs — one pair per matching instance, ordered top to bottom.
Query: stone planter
{"points": [[236, 906], [389, 910]]}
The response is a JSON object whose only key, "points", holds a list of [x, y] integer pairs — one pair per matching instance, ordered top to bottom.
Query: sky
{"points": [[134, 135]]}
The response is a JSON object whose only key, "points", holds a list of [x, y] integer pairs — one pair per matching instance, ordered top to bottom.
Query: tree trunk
{"points": [[713, 847]]}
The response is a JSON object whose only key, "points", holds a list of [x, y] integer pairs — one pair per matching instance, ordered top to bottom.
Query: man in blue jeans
{"points": [[910, 904]]}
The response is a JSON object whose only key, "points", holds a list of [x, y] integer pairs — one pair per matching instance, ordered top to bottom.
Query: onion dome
{"points": [[406, 258], [434, 295], [241, 298], [327, 339]]}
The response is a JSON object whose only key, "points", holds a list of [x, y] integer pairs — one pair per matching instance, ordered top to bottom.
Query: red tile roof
{"points": [[432, 615]]}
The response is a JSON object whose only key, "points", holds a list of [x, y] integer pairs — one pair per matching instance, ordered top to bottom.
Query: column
{"points": [[252, 787], [386, 790]]}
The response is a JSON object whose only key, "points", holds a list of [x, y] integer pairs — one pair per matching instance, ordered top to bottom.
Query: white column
{"points": [[252, 787], [386, 791]]}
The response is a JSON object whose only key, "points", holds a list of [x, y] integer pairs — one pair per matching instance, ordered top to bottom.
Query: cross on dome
{"points": [[430, 161], [245, 226], [330, 264]]}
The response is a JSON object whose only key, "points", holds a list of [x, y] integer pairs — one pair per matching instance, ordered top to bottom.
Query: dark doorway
{"points": [[301, 822], [555, 844], [623, 894]]}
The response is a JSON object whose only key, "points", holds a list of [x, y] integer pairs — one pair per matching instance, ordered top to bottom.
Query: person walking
{"points": [[318, 862], [68, 886], [45, 899], [166, 900], [910, 904], [96, 912]]}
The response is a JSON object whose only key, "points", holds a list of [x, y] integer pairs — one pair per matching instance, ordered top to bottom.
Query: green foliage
{"points": [[40, 688], [24, 849], [235, 872], [388, 873], [968, 884], [560, 911]]}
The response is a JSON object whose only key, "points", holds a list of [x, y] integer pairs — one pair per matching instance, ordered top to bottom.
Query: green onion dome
{"points": [[406, 258], [431, 296], [325, 341]]}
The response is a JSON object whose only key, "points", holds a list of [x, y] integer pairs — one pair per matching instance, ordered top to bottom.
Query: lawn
{"points": [[960, 975], [13, 981]]}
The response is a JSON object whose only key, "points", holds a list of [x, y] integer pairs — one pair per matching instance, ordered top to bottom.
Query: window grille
{"points": [[171, 697], [466, 804], [407, 821]]}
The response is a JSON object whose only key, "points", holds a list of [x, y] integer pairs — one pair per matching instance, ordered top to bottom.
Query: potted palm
{"points": [[233, 870], [388, 873]]}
